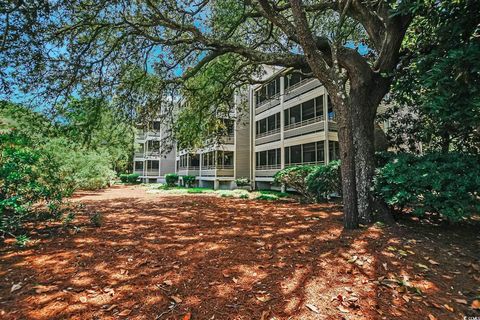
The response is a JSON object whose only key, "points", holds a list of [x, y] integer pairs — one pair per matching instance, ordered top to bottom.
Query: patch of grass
{"points": [[199, 190], [275, 193], [269, 197]]}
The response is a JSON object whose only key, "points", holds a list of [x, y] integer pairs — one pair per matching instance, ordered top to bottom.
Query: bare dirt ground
{"points": [[200, 257]]}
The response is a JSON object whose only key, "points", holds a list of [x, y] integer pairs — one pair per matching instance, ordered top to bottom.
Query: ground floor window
{"points": [[333, 150], [307, 153], [271, 158], [153, 164], [138, 165]]}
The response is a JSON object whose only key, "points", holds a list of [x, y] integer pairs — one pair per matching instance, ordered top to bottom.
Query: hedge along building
{"points": [[292, 123]]}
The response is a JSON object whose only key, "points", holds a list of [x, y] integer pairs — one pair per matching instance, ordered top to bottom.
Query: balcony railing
{"points": [[298, 85], [264, 102], [303, 123], [268, 133], [311, 163], [217, 166], [269, 167], [152, 172]]}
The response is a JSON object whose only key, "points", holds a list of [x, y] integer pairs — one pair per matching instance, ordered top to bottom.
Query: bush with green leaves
{"points": [[29, 175], [129, 177], [295, 177], [171, 179], [325, 180], [188, 181], [242, 182], [447, 184]]}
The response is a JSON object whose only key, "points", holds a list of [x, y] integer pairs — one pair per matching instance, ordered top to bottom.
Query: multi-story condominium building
{"points": [[289, 121], [293, 123], [152, 158], [219, 162]]}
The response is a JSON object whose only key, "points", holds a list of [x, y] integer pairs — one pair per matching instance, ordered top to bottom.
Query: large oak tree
{"points": [[136, 51]]}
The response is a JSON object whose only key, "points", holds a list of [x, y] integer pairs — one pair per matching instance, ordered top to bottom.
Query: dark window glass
{"points": [[293, 79], [319, 106], [308, 110], [294, 114], [331, 114], [286, 115], [277, 120], [271, 123], [156, 125], [263, 125], [257, 127], [333, 150], [321, 151], [309, 153], [296, 154], [287, 155], [279, 156], [272, 157], [228, 158], [263, 158], [194, 160], [153, 164], [138, 165]]}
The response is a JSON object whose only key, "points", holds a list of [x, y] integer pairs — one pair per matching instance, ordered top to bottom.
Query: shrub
{"points": [[28, 176], [129, 177], [295, 178], [171, 179], [325, 180], [189, 181], [242, 182], [447, 184], [270, 197], [96, 219]]}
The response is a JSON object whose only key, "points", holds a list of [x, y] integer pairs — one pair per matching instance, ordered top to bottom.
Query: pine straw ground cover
{"points": [[198, 257]]}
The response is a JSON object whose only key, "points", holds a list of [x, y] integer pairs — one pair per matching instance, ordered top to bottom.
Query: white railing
{"points": [[297, 85], [276, 96], [303, 123], [268, 133], [139, 154], [304, 163], [218, 166], [269, 167], [152, 172]]}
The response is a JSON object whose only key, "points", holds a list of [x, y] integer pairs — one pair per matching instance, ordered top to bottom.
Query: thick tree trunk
{"points": [[364, 146], [349, 190]]}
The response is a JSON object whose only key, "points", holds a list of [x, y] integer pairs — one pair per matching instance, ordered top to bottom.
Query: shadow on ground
{"points": [[160, 257]]}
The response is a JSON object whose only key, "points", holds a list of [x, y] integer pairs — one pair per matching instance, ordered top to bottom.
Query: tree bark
{"points": [[364, 147], [349, 189]]}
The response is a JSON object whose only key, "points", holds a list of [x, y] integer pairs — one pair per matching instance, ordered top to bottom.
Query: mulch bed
{"points": [[201, 257]]}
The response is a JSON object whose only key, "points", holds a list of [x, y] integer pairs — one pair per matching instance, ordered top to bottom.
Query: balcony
{"points": [[300, 88], [267, 104], [305, 127], [153, 134], [266, 137], [139, 154], [312, 163], [189, 171], [218, 171], [267, 171], [152, 173]]}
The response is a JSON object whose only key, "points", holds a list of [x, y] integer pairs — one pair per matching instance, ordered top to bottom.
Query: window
{"points": [[292, 79], [319, 106], [308, 110], [331, 113], [294, 114], [271, 122], [156, 125], [263, 126], [333, 150], [320, 151], [296, 154], [309, 154], [287, 155], [272, 157], [228, 158], [263, 158], [194, 160], [138, 165], [153, 165]]}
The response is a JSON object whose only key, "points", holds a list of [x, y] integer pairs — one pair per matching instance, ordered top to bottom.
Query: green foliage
{"points": [[437, 96], [29, 175], [129, 177], [295, 178], [171, 179], [325, 180], [189, 181], [242, 182], [447, 184], [269, 197]]}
